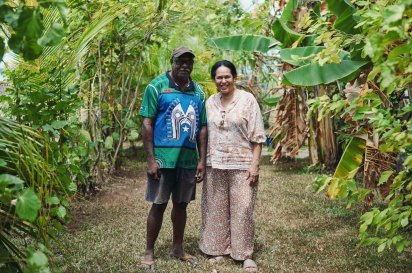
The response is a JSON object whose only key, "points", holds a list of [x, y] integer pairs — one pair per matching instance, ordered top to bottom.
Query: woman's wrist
{"points": [[255, 165], [254, 168]]}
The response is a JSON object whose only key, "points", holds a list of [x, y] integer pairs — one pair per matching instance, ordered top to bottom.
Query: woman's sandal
{"points": [[216, 259], [249, 265]]}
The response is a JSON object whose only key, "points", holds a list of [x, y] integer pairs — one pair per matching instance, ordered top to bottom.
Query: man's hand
{"points": [[201, 147], [153, 170], [200, 172], [253, 176]]}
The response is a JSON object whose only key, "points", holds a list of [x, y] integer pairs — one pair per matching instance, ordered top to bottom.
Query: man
{"points": [[174, 127]]}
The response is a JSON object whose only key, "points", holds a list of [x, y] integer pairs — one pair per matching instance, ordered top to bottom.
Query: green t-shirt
{"points": [[178, 116]]}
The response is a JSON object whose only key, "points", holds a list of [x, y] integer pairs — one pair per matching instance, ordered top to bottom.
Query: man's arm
{"points": [[147, 134], [201, 147]]}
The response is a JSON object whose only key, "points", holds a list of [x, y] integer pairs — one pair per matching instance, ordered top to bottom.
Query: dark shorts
{"points": [[181, 183]]}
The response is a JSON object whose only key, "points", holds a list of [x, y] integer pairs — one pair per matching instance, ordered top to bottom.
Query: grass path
{"points": [[296, 231]]}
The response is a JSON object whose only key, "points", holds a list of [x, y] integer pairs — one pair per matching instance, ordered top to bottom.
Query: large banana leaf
{"points": [[344, 10], [287, 13], [284, 34], [309, 40], [243, 42], [296, 55], [302, 55], [314, 74], [351, 158], [348, 164]]}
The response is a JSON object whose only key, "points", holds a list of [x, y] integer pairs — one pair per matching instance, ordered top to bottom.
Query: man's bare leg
{"points": [[179, 217], [154, 223]]}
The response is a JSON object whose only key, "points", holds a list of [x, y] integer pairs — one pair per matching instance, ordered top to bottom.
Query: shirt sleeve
{"points": [[148, 108], [203, 118], [256, 130]]}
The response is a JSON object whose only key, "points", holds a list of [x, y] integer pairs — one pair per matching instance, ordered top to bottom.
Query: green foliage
{"points": [[287, 13], [345, 13], [379, 32], [28, 33], [285, 35], [243, 42], [387, 42], [300, 56], [315, 74], [272, 101], [351, 158], [342, 185], [33, 190], [28, 204], [37, 261]]}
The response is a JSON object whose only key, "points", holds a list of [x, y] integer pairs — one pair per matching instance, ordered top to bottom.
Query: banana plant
{"points": [[311, 74], [348, 166], [342, 184]]}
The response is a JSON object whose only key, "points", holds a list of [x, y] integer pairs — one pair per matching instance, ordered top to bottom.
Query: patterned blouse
{"points": [[232, 131]]}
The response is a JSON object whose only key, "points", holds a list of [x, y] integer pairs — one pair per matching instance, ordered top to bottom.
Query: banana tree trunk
{"points": [[325, 139], [312, 144]]}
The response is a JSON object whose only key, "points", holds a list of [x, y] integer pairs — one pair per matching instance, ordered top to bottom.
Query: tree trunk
{"points": [[325, 137]]}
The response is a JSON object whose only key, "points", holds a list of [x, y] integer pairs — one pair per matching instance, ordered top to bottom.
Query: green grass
{"points": [[296, 230]]}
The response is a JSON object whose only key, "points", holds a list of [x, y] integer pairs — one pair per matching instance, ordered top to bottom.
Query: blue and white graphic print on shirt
{"points": [[181, 120], [178, 121]]}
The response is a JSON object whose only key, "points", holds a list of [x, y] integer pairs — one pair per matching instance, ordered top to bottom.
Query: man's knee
{"points": [[179, 206], [158, 208]]}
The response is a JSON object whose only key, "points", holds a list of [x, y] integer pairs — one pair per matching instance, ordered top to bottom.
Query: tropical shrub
{"points": [[25, 30], [376, 38], [34, 197]]}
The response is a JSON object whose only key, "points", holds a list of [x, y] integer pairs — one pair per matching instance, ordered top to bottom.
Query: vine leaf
{"points": [[28, 205]]}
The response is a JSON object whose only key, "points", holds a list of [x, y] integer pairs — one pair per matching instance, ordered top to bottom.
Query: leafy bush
{"points": [[34, 195]]}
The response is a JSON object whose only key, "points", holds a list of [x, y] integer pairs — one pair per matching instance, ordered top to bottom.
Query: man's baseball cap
{"points": [[179, 51]]}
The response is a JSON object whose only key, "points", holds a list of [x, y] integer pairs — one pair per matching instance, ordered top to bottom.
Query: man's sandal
{"points": [[191, 260], [147, 265], [249, 265]]}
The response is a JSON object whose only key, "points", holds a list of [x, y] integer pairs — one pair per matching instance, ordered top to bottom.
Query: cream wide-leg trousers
{"points": [[227, 214]]}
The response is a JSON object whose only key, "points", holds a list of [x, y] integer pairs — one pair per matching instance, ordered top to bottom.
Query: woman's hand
{"points": [[253, 175]]}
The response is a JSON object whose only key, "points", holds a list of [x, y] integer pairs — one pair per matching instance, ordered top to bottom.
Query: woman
{"points": [[235, 130]]}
